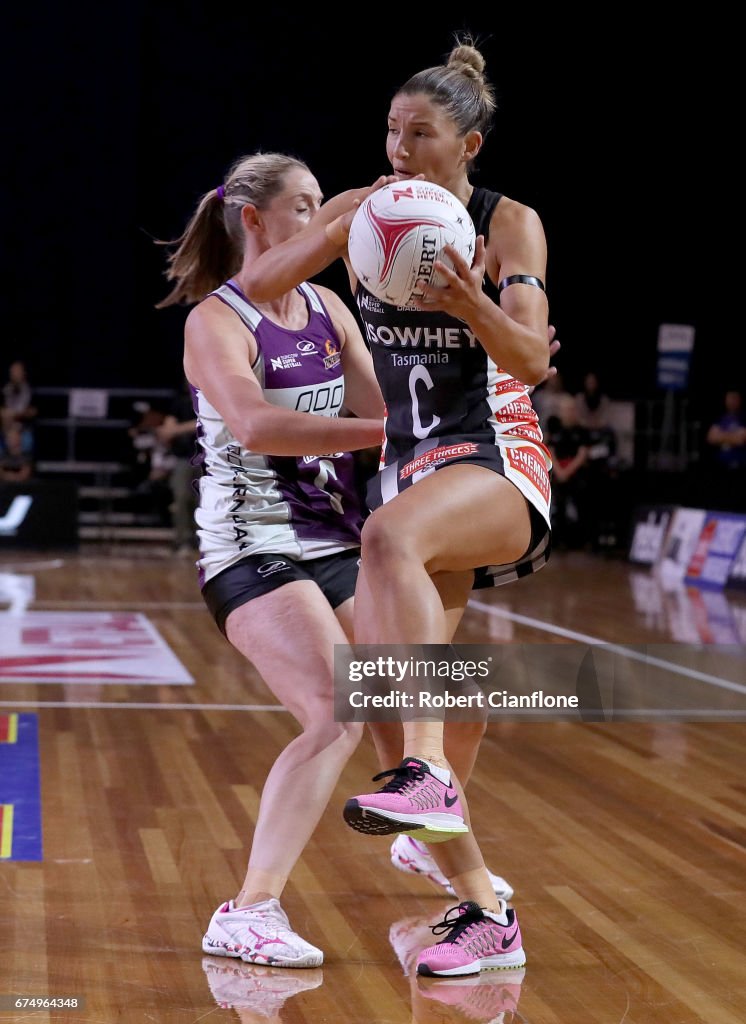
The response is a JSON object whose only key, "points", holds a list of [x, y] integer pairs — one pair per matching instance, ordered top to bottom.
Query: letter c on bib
{"points": [[418, 373]]}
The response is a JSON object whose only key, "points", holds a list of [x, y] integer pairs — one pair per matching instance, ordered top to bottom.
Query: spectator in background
{"points": [[547, 398], [16, 404], [592, 404], [594, 414], [178, 433], [728, 434], [144, 440], [568, 444], [16, 464], [152, 464], [602, 472]]}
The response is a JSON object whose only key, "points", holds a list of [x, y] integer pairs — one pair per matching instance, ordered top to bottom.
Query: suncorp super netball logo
{"points": [[422, 190]]}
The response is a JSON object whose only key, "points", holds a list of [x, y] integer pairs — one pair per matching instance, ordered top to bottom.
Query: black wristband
{"points": [[521, 279]]}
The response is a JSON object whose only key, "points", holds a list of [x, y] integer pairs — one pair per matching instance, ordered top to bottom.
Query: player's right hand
{"points": [[338, 230]]}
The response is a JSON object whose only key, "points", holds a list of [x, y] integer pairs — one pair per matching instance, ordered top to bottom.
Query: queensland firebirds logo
{"points": [[332, 357]]}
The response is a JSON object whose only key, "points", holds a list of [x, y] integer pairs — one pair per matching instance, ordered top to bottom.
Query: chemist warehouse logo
{"points": [[437, 456], [531, 465]]}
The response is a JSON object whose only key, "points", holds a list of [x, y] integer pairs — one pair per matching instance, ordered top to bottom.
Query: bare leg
{"points": [[405, 543], [300, 675], [462, 739]]}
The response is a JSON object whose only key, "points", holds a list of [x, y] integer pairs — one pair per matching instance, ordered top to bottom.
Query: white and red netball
{"points": [[400, 231]]}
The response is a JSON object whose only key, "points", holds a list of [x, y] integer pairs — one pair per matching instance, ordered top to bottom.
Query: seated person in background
{"points": [[547, 397], [16, 403], [592, 404], [593, 410], [177, 434], [728, 434], [144, 440], [568, 444], [152, 463], [16, 465], [602, 492]]}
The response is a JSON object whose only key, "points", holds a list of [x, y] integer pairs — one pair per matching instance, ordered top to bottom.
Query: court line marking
{"points": [[53, 563], [51, 604], [526, 620], [586, 638], [133, 706], [711, 714], [6, 831]]}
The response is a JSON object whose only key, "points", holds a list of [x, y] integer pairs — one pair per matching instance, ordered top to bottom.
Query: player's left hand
{"points": [[461, 291]]}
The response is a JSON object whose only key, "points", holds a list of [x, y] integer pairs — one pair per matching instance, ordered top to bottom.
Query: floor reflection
{"points": [[689, 614], [257, 994]]}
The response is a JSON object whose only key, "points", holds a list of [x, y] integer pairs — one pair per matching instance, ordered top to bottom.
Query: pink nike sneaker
{"points": [[419, 799], [477, 940]]}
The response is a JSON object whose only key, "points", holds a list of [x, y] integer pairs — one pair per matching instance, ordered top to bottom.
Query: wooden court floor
{"points": [[625, 842]]}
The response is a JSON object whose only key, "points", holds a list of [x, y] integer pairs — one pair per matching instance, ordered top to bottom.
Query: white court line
{"points": [[52, 563], [136, 605], [625, 652], [128, 706], [686, 713], [711, 714]]}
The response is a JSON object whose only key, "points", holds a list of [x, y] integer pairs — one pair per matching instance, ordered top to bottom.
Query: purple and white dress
{"points": [[251, 504]]}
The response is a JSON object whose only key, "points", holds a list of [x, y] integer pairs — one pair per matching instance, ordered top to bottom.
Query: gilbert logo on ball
{"points": [[400, 231]]}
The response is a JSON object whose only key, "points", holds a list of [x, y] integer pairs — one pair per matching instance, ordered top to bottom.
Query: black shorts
{"points": [[432, 455], [536, 555], [335, 575]]}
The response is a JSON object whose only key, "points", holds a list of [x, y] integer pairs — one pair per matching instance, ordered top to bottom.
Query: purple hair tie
{"points": [[220, 192]]}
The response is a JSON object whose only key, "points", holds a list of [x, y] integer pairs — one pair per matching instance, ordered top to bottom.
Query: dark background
{"points": [[118, 119]]}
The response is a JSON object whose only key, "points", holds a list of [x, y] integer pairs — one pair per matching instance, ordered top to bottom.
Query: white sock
{"points": [[441, 774], [249, 906], [501, 918]]}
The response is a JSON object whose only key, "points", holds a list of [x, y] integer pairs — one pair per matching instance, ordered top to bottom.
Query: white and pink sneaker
{"points": [[419, 800], [413, 858], [259, 934], [476, 940], [263, 990]]}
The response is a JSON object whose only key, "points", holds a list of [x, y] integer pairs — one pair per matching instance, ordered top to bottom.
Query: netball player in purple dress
{"points": [[463, 498], [278, 518]]}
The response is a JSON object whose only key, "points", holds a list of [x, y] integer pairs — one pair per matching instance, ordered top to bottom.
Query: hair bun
{"points": [[468, 60]]}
